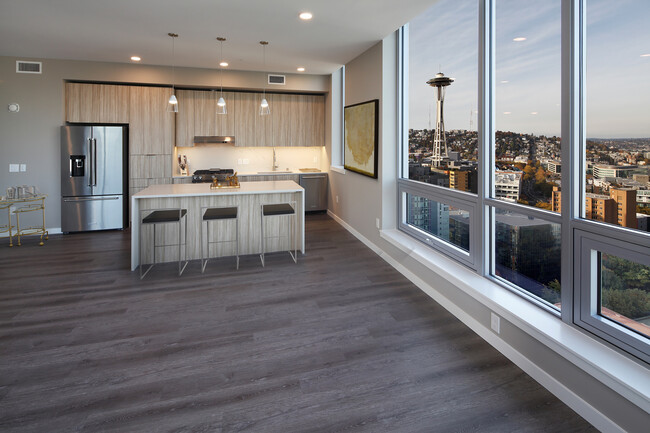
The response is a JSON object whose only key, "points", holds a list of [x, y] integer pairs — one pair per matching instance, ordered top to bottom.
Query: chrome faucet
{"points": [[275, 161]]}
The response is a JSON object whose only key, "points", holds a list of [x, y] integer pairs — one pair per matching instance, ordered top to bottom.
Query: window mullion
{"points": [[572, 144], [484, 223]]}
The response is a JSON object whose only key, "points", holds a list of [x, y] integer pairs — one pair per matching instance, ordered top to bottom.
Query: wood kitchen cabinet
{"points": [[97, 103], [197, 115], [185, 118], [281, 119], [308, 120], [151, 127], [251, 129]]}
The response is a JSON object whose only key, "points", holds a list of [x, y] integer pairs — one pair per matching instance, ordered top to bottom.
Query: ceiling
{"points": [[114, 30]]}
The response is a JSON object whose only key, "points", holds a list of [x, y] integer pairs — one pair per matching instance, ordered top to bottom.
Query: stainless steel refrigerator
{"points": [[93, 183]]}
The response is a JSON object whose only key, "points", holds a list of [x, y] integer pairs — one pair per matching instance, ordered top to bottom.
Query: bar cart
{"points": [[18, 206]]}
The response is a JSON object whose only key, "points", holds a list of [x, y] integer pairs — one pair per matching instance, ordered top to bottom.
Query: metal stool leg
{"points": [[262, 240], [180, 270]]}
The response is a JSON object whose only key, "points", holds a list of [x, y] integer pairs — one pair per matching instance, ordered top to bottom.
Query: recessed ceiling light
{"points": [[305, 16], [519, 39], [645, 55], [135, 58], [224, 64], [301, 69], [504, 81], [507, 112], [533, 112]]}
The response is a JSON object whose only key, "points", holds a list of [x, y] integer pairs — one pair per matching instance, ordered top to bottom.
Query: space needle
{"points": [[439, 140]]}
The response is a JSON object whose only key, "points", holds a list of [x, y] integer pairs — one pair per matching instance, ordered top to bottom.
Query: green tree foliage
{"points": [[625, 286], [632, 303]]}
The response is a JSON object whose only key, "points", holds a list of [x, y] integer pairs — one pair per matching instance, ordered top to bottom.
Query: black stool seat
{"points": [[277, 209], [220, 213], [164, 216]]}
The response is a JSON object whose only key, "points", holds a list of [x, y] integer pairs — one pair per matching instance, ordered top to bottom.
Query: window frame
{"points": [[440, 195], [576, 267], [587, 293]]}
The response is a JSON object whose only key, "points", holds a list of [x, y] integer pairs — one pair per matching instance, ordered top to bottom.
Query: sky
{"points": [[445, 39]]}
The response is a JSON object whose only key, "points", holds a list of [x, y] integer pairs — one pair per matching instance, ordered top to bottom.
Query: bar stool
{"points": [[269, 210], [218, 214], [164, 216]]}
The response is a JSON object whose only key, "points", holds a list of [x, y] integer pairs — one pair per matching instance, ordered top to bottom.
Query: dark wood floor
{"points": [[339, 342]]}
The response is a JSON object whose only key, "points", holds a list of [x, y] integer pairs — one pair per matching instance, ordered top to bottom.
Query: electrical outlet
{"points": [[239, 161], [23, 167], [14, 168], [337, 198], [378, 223], [495, 323]]}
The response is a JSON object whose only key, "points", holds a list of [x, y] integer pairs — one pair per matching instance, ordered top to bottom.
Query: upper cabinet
{"points": [[97, 103], [197, 115], [282, 119], [295, 120], [308, 120], [151, 127], [251, 129]]}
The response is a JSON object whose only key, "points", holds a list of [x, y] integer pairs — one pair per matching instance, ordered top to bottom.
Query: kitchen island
{"points": [[248, 197]]}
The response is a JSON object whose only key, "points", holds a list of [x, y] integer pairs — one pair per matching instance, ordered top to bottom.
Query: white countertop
{"points": [[202, 189]]}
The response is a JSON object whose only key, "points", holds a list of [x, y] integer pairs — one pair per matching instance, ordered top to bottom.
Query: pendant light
{"points": [[221, 103], [172, 105], [264, 105]]}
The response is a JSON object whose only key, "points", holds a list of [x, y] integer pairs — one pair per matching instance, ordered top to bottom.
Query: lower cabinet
{"points": [[262, 178]]}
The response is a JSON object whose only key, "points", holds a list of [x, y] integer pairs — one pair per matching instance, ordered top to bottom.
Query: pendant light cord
{"points": [[173, 36], [221, 61]]}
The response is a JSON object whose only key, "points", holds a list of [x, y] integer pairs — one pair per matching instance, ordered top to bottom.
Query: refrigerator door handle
{"points": [[90, 162], [94, 162], [70, 200]]}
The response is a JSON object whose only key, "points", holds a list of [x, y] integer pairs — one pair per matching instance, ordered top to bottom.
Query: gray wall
{"points": [[363, 82], [31, 136], [362, 200]]}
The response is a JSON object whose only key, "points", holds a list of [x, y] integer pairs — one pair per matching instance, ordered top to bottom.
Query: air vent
{"points": [[23, 67], [277, 79]]}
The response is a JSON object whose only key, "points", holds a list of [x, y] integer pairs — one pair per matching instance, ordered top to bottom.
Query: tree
{"points": [[632, 303]]}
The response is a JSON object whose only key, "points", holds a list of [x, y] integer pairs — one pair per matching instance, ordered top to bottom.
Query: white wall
{"points": [[31, 136], [362, 200]]}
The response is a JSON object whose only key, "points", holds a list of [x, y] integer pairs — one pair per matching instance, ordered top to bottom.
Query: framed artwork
{"points": [[361, 123]]}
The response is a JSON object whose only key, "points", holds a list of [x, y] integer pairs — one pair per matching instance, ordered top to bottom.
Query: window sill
{"points": [[337, 169], [620, 373]]}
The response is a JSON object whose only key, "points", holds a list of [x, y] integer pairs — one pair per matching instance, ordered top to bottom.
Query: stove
{"points": [[205, 176]]}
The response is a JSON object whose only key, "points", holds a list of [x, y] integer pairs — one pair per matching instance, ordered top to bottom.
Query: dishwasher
{"points": [[315, 185]]}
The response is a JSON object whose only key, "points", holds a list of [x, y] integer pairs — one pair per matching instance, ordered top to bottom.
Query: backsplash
{"points": [[259, 158]]}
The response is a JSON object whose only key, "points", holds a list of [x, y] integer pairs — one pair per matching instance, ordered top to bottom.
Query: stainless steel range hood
{"points": [[214, 139]]}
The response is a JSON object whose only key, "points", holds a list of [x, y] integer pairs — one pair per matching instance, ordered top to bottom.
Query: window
{"points": [[527, 92], [442, 98], [617, 110], [561, 220], [527, 253], [614, 293]]}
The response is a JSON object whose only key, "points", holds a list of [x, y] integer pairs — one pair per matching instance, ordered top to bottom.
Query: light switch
{"points": [[245, 160], [239, 161], [23, 167], [14, 168]]}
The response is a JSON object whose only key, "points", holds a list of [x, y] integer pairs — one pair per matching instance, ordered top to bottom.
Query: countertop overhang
{"points": [[200, 189]]}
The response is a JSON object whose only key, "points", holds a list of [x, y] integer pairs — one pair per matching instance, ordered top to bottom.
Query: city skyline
{"points": [[528, 72]]}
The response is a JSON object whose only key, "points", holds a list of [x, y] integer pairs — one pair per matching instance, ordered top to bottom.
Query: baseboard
{"points": [[566, 395]]}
